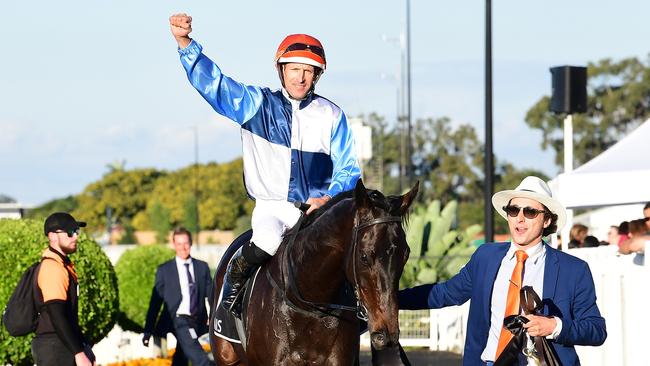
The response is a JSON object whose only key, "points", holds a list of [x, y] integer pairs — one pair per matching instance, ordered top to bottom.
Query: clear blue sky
{"points": [[85, 83]]}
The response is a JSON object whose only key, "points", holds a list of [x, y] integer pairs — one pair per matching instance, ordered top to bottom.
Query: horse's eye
{"points": [[364, 259]]}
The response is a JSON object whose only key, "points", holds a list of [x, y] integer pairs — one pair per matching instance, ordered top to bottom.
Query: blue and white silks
{"points": [[292, 150]]}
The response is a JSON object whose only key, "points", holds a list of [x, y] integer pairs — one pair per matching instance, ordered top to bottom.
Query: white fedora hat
{"points": [[535, 189]]}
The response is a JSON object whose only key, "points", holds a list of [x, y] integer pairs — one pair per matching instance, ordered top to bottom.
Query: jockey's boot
{"points": [[241, 266]]}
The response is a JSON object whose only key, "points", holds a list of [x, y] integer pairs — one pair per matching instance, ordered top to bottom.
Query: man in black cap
{"points": [[58, 339]]}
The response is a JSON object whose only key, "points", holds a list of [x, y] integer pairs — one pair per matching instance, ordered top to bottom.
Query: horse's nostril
{"points": [[378, 339]]}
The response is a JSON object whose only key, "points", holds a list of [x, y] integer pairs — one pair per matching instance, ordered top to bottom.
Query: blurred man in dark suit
{"points": [[182, 284]]}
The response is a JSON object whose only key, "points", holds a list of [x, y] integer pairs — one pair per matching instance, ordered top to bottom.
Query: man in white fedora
{"points": [[497, 271]]}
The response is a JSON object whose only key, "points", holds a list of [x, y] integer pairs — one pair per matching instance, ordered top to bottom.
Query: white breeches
{"points": [[270, 220]]}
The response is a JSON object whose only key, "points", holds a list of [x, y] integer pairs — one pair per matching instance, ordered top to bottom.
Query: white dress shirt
{"points": [[533, 276], [184, 307]]}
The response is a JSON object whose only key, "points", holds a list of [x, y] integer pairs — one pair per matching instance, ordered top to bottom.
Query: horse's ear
{"points": [[361, 195], [408, 198]]}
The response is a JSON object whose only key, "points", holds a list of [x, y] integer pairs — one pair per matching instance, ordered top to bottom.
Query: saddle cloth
{"points": [[225, 324]]}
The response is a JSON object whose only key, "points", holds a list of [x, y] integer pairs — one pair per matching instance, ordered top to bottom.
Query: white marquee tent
{"points": [[620, 175]]}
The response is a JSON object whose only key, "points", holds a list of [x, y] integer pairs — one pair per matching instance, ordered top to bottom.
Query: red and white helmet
{"points": [[301, 48]]}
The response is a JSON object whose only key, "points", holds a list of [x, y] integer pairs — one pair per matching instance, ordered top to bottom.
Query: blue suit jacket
{"points": [[167, 290], [568, 294]]}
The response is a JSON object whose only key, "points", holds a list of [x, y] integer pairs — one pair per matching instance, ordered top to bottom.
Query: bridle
{"points": [[325, 309]]}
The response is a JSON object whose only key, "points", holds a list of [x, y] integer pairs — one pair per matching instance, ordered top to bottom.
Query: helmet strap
{"points": [[280, 68]]}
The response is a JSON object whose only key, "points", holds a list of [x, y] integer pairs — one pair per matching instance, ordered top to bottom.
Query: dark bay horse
{"points": [[295, 315]]}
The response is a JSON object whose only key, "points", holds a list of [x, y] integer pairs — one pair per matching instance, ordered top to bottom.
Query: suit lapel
{"points": [[493, 265], [551, 269]]}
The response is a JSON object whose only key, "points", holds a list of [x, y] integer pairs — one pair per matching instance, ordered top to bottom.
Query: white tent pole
{"points": [[568, 167]]}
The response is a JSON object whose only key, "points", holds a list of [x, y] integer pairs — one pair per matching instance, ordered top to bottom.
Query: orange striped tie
{"points": [[512, 303]]}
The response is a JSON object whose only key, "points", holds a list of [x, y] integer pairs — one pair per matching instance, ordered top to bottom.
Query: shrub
{"points": [[21, 244], [438, 252], [136, 272]]}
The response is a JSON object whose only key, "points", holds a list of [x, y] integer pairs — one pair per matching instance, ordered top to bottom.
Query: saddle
{"points": [[543, 352]]}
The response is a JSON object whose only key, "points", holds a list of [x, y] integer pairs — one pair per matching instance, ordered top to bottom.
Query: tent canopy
{"points": [[620, 175]]}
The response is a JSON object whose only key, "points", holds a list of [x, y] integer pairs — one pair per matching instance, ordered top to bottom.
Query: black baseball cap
{"points": [[61, 221]]}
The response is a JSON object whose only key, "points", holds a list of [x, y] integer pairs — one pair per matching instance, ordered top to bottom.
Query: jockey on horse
{"points": [[297, 145]]}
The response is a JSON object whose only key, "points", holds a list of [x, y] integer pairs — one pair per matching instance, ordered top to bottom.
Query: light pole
{"points": [[409, 148], [489, 168], [196, 183]]}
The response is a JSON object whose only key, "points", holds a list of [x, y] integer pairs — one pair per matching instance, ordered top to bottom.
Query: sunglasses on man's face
{"points": [[529, 212], [70, 233]]}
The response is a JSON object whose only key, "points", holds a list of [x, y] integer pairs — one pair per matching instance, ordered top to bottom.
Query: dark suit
{"points": [[167, 290], [568, 294]]}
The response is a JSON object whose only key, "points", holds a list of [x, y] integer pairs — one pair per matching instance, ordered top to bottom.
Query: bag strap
{"points": [[37, 290], [532, 304]]}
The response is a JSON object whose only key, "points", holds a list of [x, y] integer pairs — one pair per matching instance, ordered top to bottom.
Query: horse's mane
{"points": [[390, 204], [309, 219]]}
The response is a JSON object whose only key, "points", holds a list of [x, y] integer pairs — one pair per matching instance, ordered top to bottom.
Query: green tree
{"points": [[618, 101], [448, 161], [221, 190], [126, 192], [65, 204], [190, 219], [160, 220]]}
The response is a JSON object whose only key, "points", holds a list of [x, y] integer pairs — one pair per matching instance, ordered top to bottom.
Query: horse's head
{"points": [[380, 252]]}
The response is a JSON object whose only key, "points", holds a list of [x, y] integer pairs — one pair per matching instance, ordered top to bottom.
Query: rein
{"points": [[325, 309]]}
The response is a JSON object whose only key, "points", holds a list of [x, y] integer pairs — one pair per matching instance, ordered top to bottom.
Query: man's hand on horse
{"points": [[181, 26], [316, 203], [541, 326]]}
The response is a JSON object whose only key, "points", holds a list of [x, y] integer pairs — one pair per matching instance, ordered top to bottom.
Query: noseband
{"points": [[326, 309]]}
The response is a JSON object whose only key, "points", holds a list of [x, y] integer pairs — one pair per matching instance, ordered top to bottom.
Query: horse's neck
{"points": [[321, 271]]}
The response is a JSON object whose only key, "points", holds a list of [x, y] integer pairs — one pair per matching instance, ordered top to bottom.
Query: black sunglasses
{"points": [[306, 47], [529, 212], [70, 233]]}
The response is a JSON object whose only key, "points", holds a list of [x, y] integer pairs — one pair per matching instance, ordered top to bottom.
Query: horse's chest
{"points": [[326, 341]]}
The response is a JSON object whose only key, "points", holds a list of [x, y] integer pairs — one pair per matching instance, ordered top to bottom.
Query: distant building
{"points": [[13, 210]]}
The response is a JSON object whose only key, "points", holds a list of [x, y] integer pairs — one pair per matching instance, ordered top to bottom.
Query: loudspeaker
{"points": [[569, 89]]}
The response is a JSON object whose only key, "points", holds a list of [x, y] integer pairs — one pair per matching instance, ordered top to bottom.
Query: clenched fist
{"points": [[181, 26]]}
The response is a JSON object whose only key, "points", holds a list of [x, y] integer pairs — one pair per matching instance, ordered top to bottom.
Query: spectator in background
{"points": [[646, 215], [638, 228], [623, 232], [613, 235], [577, 236], [638, 237], [181, 287], [59, 340]]}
